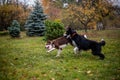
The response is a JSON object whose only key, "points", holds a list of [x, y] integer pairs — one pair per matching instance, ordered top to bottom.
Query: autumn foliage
{"points": [[10, 12], [80, 14], [85, 14]]}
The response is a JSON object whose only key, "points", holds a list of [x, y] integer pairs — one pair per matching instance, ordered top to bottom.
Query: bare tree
{"points": [[3, 2]]}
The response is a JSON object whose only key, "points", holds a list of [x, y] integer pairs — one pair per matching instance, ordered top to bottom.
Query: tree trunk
{"points": [[100, 26], [85, 28]]}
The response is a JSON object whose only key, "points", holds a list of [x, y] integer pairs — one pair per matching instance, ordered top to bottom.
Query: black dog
{"points": [[82, 43]]}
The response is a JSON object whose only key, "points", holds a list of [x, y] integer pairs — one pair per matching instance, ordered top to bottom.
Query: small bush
{"points": [[54, 29], [14, 30], [3, 33]]}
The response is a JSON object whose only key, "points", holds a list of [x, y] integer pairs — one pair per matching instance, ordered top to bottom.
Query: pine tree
{"points": [[35, 24], [14, 30]]}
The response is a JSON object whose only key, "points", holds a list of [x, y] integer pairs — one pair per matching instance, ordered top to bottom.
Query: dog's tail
{"points": [[85, 36], [102, 43]]}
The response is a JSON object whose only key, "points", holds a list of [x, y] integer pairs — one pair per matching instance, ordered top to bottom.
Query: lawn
{"points": [[26, 59]]}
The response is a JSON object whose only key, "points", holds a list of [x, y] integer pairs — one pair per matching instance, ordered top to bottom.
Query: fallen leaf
{"points": [[88, 72], [52, 78]]}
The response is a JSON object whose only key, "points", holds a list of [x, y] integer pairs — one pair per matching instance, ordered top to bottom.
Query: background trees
{"points": [[52, 8], [12, 10], [89, 11], [92, 13], [83, 14], [35, 23]]}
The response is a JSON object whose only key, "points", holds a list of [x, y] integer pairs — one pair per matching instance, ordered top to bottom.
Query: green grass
{"points": [[26, 59]]}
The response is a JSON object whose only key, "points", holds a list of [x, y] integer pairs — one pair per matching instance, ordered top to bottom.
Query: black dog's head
{"points": [[69, 32]]}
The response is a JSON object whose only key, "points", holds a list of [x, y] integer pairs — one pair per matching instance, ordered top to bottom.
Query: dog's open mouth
{"points": [[48, 47]]}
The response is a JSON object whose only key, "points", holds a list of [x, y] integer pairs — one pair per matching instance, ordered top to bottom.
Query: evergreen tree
{"points": [[35, 24], [14, 30]]}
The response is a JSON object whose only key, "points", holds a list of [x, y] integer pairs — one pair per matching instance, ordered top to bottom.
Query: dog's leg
{"points": [[51, 50], [76, 50], [59, 51], [80, 51], [98, 54], [101, 56]]}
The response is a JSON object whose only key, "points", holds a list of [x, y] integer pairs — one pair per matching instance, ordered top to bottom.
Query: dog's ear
{"points": [[68, 28], [48, 42]]}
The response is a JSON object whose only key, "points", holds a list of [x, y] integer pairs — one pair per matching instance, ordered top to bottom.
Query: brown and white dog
{"points": [[59, 44]]}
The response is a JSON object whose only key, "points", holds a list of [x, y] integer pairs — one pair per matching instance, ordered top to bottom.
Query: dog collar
{"points": [[73, 34]]}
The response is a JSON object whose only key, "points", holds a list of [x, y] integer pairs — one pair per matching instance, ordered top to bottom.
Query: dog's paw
{"points": [[47, 51], [57, 56], [101, 58]]}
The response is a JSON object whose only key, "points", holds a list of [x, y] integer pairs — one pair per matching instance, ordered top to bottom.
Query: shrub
{"points": [[54, 29], [14, 30], [3, 33]]}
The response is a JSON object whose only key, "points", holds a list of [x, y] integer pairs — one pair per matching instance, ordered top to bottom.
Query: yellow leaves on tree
{"points": [[46, 5], [102, 9], [51, 10], [89, 11], [11, 12], [82, 13]]}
